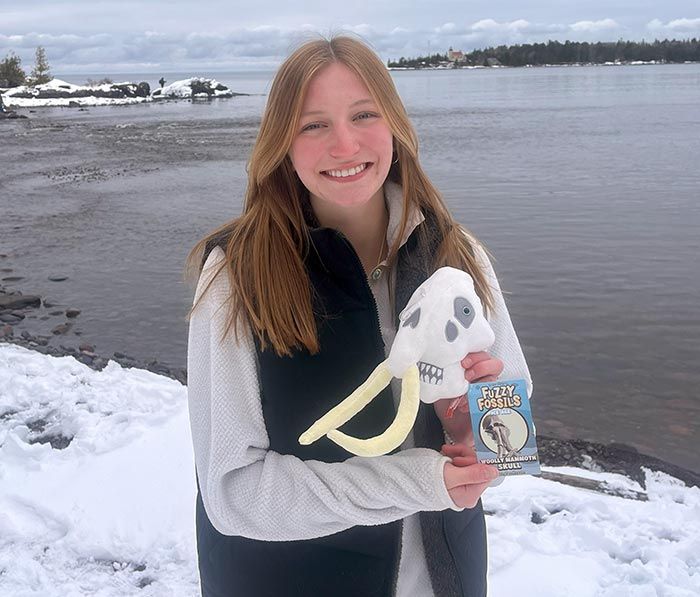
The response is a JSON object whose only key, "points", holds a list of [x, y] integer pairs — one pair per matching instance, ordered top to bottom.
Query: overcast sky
{"points": [[122, 36]]}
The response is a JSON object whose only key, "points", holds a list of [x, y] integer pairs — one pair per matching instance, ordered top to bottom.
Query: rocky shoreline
{"points": [[15, 307]]}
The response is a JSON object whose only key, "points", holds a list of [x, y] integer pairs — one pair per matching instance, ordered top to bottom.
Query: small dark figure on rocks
{"points": [[162, 82], [2, 106]]}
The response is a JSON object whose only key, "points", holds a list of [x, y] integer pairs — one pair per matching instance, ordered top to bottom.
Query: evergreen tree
{"points": [[11, 73], [40, 73]]}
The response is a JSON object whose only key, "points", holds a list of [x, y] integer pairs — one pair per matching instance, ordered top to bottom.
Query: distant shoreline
{"points": [[562, 65]]}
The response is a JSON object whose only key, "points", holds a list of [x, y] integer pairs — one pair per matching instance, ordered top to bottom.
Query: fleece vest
{"points": [[362, 561]]}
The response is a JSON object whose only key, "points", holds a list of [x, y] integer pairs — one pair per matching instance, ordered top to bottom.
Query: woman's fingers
{"points": [[481, 366], [465, 484]]}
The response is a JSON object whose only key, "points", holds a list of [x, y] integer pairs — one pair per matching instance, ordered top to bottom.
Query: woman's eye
{"points": [[365, 115], [311, 126]]}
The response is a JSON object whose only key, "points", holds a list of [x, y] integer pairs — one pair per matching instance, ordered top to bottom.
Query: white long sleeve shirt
{"points": [[252, 491]]}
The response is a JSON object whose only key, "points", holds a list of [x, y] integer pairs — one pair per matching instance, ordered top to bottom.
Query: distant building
{"points": [[455, 55]]}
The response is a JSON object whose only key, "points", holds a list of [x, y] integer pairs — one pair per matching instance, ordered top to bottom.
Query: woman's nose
{"points": [[344, 142]]}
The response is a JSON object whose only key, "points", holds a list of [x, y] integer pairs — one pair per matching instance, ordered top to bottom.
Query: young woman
{"points": [[297, 302]]}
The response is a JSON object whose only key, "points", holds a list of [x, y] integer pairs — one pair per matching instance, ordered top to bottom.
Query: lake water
{"points": [[583, 183]]}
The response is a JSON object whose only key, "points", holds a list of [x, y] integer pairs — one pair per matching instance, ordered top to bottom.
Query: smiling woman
{"points": [[297, 302]]}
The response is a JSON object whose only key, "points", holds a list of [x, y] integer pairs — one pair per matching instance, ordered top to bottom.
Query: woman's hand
{"points": [[478, 367], [466, 479]]}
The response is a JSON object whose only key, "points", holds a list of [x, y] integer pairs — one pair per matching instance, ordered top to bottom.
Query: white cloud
{"points": [[594, 26], [675, 26]]}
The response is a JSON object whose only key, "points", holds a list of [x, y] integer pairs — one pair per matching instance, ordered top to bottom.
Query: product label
{"points": [[504, 433]]}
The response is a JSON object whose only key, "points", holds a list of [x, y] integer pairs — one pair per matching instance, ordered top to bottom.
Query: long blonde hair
{"points": [[265, 247]]}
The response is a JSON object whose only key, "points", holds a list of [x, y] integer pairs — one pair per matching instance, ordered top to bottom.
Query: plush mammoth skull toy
{"points": [[443, 322]]}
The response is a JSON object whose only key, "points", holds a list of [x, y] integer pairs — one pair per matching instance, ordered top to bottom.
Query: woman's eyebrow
{"points": [[353, 105]]}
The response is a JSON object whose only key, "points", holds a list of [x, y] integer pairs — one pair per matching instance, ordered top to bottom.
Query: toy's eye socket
{"points": [[463, 311]]}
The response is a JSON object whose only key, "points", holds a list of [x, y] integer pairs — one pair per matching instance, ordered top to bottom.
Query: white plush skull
{"points": [[442, 322]]}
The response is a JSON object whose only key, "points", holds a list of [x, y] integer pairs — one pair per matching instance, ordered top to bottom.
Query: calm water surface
{"points": [[583, 182]]}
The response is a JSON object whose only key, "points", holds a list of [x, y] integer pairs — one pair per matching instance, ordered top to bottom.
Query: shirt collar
{"points": [[393, 196]]}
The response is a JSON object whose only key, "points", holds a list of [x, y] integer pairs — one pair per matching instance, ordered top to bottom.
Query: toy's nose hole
{"points": [[451, 331]]}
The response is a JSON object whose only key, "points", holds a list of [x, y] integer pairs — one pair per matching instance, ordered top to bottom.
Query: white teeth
{"points": [[344, 173]]}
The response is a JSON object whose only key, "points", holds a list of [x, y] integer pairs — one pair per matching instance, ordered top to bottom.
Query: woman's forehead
{"points": [[336, 83]]}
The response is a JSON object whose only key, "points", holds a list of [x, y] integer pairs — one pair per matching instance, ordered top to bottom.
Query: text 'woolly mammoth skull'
{"points": [[442, 323]]}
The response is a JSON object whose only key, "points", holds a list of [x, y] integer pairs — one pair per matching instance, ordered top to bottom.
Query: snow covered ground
{"points": [[105, 506]]}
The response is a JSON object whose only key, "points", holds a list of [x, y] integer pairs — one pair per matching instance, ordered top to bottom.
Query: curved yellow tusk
{"points": [[348, 408], [399, 429]]}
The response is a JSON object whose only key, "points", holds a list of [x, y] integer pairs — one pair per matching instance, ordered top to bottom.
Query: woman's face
{"points": [[343, 146]]}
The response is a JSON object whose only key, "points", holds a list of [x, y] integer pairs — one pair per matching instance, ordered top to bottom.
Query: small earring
{"points": [[396, 161]]}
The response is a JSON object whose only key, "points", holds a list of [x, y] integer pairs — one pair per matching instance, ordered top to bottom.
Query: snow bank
{"points": [[105, 505]]}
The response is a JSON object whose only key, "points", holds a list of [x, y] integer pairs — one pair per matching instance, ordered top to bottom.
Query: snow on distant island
{"points": [[195, 87], [57, 93], [60, 93], [97, 492]]}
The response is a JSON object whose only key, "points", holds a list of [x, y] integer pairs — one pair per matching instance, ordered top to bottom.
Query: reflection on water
{"points": [[582, 182]]}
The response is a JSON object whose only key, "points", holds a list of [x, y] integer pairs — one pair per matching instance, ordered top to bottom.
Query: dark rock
{"points": [[143, 89], [10, 115], [13, 278], [57, 278], [19, 301], [47, 304], [54, 313], [72, 313], [44, 317], [10, 318], [62, 328], [26, 335], [41, 341], [85, 347], [119, 355], [86, 359], [180, 375], [37, 425], [57, 441], [613, 458], [537, 518]]}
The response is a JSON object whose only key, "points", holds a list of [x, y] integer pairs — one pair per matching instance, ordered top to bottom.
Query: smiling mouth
{"points": [[348, 174]]}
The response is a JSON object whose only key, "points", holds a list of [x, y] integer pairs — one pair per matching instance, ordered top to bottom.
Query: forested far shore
{"points": [[556, 52]]}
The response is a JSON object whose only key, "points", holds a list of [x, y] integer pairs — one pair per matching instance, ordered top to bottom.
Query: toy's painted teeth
{"points": [[345, 173], [431, 374]]}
